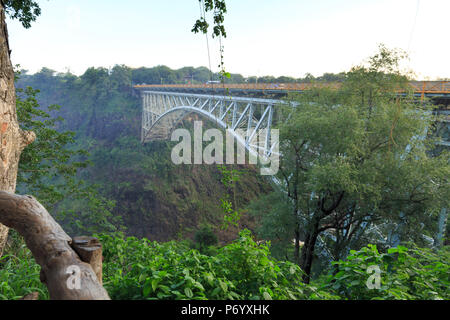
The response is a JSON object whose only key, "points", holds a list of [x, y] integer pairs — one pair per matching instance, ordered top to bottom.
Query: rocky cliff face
{"points": [[162, 208]]}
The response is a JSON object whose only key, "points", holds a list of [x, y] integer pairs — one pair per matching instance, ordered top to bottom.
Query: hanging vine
{"points": [[218, 8]]}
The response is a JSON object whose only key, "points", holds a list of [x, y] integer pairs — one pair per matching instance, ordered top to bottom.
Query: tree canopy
{"points": [[358, 158]]}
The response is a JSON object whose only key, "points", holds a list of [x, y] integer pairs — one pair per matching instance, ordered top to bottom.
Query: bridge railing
{"points": [[431, 86]]}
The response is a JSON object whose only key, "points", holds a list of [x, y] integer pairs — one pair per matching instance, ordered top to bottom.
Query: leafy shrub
{"points": [[140, 269], [19, 272], [406, 274]]}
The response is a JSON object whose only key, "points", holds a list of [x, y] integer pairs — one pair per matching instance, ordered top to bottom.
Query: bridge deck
{"points": [[420, 88]]}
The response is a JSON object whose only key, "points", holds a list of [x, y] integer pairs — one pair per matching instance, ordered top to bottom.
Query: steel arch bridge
{"points": [[248, 120]]}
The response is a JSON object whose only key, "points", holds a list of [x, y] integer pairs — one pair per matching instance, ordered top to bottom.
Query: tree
{"points": [[13, 139], [48, 157], [357, 157], [49, 166], [50, 245]]}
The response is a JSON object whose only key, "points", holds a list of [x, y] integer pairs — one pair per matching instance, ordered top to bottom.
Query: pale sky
{"points": [[264, 37]]}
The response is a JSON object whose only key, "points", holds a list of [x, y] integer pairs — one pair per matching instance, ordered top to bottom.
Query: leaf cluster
{"points": [[219, 8], [26, 11], [406, 274]]}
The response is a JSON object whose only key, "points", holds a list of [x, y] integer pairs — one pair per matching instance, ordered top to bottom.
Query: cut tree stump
{"points": [[89, 249], [63, 271]]}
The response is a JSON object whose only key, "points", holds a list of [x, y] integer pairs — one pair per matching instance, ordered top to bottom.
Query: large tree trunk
{"points": [[12, 139], [307, 257], [62, 270]]}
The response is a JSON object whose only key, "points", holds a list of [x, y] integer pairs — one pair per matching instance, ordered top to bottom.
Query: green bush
{"points": [[140, 269], [19, 272], [405, 273]]}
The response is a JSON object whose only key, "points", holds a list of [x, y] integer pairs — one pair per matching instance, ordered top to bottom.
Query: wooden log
{"points": [[89, 249], [66, 276]]}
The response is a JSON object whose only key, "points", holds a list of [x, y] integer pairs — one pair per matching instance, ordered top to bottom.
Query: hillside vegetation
{"points": [[153, 197]]}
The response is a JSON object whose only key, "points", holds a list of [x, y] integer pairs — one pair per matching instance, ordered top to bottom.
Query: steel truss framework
{"points": [[249, 120]]}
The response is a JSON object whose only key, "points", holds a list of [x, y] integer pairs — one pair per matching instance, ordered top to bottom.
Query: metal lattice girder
{"points": [[249, 120]]}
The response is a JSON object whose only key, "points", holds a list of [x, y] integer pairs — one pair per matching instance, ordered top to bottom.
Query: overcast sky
{"points": [[265, 37]]}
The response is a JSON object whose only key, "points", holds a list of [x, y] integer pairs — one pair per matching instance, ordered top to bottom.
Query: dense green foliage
{"points": [[155, 75], [141, 269], [241, 270], [19, 272], [406, 274]]}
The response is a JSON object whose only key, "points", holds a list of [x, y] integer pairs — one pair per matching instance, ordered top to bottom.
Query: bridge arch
{"points": [[248, 120]]}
